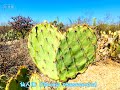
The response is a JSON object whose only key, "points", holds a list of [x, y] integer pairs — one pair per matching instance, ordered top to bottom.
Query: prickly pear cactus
{"points": [[109, 45], [115, 50], [118, 50], [62, 56], [3, 80], [35, 81], [14, 82]]}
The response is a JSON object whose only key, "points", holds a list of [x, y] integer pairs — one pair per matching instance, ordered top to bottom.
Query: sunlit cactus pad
{"points": [[62, 56], [3, 80], [35, 81], [14, 82]]}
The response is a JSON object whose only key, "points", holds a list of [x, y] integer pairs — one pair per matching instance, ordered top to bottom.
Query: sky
{"points": [[40, 10]]}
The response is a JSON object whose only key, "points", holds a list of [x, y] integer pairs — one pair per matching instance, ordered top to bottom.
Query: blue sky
{"points": [[40, 10]]}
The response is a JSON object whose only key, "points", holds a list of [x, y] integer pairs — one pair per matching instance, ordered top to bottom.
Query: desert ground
{"points": [[105, 73]]}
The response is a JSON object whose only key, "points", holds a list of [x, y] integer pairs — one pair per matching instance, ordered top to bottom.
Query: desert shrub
{"points": [[21, 24], [60, 25], [107, 27], [10, 35]]}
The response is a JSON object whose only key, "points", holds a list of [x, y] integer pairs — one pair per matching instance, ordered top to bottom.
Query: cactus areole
{"points": [[62, 56]]}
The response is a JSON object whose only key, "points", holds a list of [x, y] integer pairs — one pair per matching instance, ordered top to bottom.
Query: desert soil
{"points": [[104, 73]]}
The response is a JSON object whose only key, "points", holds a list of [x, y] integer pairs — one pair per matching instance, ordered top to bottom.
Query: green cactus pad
{"points": [[114, 45], [62, 56], [3, 80], [35, 81], [14, 82]]}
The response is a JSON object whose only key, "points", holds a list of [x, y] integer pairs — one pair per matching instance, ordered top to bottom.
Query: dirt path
{"points": [[106, 74]]}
